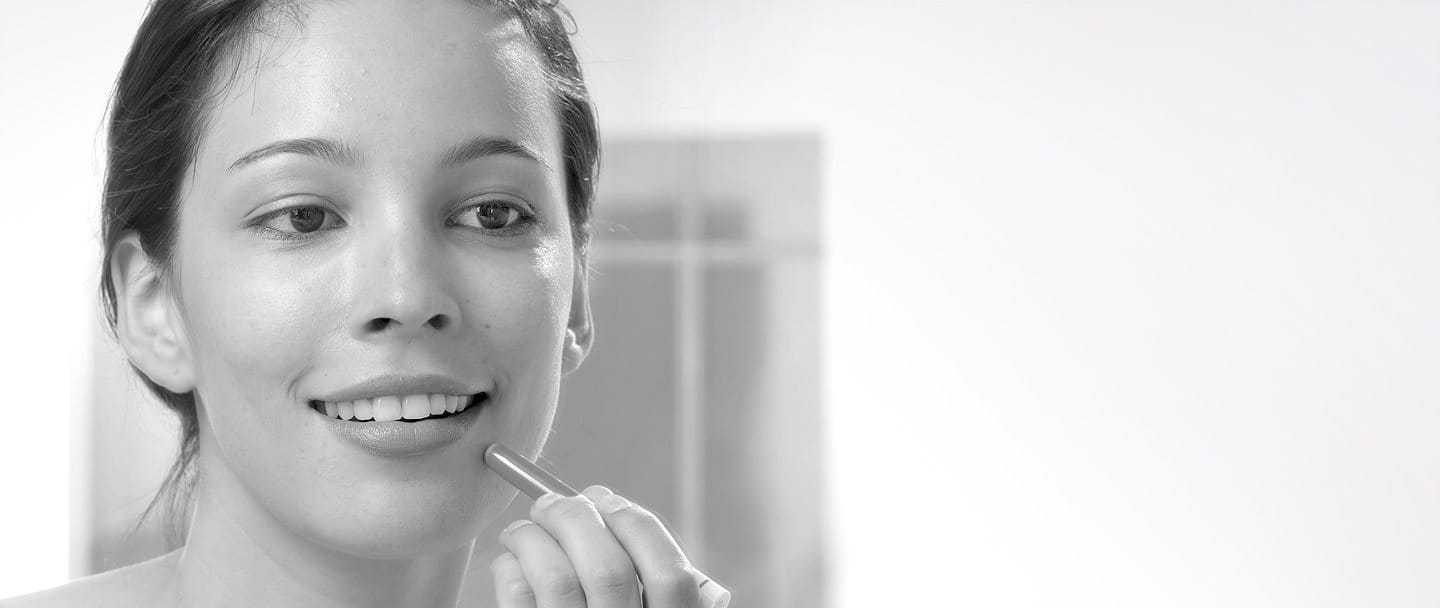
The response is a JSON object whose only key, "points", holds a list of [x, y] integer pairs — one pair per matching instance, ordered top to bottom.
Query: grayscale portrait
{"points": [[698, 304]]}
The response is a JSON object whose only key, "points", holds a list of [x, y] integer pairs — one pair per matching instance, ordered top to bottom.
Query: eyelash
{"points": [[523, 224]]}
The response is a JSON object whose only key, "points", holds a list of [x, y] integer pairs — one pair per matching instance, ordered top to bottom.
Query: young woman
{"points": [[345, 243]]}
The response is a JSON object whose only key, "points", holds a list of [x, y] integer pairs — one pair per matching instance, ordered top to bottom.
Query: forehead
{"points": [[401, 82]]}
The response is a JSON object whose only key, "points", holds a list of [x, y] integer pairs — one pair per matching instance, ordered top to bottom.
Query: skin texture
{"points": [[398, 279]]}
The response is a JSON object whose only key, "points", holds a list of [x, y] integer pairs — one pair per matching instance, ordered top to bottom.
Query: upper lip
{"points": [[400, 385]]}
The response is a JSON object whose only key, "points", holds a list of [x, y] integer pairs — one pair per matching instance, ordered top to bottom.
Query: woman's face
{"points": [[363, 205]]}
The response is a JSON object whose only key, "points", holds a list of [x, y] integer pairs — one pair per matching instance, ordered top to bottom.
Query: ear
{"points": [[147, 322], [580, 333]]}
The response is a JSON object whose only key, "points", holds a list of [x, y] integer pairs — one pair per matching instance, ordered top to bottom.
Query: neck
{"points": [[237, 554]]}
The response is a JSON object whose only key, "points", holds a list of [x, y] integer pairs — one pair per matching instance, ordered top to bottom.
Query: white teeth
{"points": [[397, 407], [416, 407], [387, 409]]}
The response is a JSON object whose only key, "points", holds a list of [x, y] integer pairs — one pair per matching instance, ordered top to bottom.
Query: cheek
{"points": [[524, 298], [529, 309], [523, 310], [256, 326]]}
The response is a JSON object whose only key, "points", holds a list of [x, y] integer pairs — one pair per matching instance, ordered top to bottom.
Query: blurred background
{"points": [[988, 303]]}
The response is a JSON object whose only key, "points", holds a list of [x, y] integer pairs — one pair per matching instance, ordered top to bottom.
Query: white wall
{"points": [[57, 61], [1144, 291], [1138, 298]]}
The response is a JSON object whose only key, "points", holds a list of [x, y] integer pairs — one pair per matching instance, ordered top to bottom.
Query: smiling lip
{"points": [[401, 385], [406, 438]]}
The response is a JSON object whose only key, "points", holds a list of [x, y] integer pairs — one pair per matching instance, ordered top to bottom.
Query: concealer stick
{"points": [[535, 482]]}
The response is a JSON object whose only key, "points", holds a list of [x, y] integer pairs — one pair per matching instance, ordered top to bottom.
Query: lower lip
{"points": [[397, 438]]}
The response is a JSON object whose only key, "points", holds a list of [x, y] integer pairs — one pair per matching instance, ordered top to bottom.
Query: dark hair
{"points": [[157, 117]]}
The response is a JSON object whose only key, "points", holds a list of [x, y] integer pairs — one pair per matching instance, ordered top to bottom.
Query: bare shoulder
{"points": [[142, 584]]}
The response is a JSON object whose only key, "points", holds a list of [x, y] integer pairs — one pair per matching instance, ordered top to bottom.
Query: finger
{"points": [[545, 565], [605, 570], [666, 573], [511, 588]]}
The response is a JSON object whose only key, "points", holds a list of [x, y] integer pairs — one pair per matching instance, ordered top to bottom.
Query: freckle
{"points": [[487, 326]]}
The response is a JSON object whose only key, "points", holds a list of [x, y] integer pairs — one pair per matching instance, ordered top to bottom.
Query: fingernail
{"points": [[546, 500], [611, 503], [516, 525]]}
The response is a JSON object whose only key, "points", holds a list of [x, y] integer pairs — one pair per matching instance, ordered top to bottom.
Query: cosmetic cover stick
{"points": [[535, 482]]}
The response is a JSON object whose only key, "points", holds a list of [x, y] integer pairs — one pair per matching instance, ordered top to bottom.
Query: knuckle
{"points": [[635, 519], [609, 580], [559, 582], [615, 589]]}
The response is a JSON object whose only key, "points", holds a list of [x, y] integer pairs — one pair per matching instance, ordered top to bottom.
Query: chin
{"points": [[409, 522], [374, 536]]}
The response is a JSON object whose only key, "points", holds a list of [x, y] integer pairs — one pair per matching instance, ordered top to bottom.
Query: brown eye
{"points": [[494, 216], [500, 217], [307, 219], [298, 223]]}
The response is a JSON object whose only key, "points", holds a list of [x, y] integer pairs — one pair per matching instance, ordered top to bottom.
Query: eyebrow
{"points": [[319, 147], [479, 147], [339, 153]]}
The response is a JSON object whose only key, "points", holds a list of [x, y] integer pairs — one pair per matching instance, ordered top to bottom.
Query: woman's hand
{"points": [[587, 551]]}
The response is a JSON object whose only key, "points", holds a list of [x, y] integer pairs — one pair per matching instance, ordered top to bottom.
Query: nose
{"points": [[401, 288]]}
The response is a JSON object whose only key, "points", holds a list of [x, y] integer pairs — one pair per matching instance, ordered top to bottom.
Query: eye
{"points": [[495, 215], [298, 222]]}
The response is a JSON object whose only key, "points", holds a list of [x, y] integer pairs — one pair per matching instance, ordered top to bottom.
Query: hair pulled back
{"points": [[157, 116]]}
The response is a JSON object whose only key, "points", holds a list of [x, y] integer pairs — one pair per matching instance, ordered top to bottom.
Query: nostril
{"points": [[378, 324]]}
